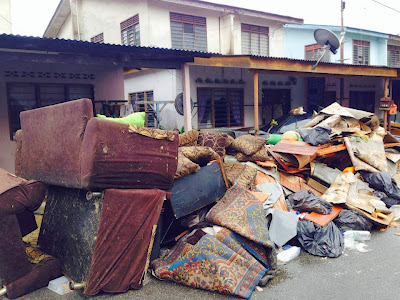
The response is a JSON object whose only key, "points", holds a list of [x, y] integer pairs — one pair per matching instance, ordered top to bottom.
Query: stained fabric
{"points": [[157, 134], [248, 144], [92, 153], [199, 154], [260, 155], [185, 166], [241, 212], [125, 231], [216, 263], [48, 269]]}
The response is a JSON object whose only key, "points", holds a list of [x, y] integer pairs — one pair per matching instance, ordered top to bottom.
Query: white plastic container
{"points": [[358, 235], [289, 254], [59, 285]]}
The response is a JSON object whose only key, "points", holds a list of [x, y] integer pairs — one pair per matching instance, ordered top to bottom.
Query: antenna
{"points": [[328, 40]]}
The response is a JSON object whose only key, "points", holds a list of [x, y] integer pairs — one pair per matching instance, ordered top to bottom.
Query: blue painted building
{"points": [[361, 46]]}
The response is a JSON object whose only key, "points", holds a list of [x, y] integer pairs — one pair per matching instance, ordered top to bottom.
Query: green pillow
{"points": [[136, 118]]}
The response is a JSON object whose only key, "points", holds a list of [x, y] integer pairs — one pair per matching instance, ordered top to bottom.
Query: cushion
{"points": [[137, 118], [188, 138], [214, 140], [229, 141], [248, 144], [199, 154], [260, 155], [117, 156], [185, 166], [241, 174]]}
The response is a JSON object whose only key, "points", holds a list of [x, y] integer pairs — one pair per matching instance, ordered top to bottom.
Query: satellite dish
{"points": [[328, 40], [179, 104]]}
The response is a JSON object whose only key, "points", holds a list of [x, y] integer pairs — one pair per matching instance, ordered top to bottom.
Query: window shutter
{"points": [[130, 32], [188, 32], [255, 39]]}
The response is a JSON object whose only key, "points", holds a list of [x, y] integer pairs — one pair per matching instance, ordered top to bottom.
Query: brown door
{"points": [[275, 104]]}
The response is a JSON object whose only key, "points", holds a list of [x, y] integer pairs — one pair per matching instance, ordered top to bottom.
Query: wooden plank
{"points": [[261, 64], [256, 91], [294, 147], [331, 149], [295, 184], [321, 219]]}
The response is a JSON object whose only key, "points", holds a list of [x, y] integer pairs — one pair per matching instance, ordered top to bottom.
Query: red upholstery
{"points": [[63, 145]]}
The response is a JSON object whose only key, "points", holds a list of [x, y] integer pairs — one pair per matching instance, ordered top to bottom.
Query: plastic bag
{"points": [[315, 136], [382, 181], [387, 200], [308, 202], [352, 220], [320, 241]]}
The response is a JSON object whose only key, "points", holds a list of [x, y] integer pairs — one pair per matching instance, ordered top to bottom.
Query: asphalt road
{"points": [[354, 275]]}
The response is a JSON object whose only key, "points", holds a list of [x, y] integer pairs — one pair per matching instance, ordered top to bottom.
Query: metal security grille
{"points": [[130, 31], [188, 32], [98, 38], [255, 40], [313, 52], [361, 52], [393, 56], [26, 96], [146, 107], [220, 107]]}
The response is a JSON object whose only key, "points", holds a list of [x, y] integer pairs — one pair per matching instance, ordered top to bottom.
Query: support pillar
{"points": [[187, 108], [256, 126]]}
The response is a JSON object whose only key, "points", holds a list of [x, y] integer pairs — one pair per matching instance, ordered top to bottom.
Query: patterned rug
{"points": [[216, 263]]}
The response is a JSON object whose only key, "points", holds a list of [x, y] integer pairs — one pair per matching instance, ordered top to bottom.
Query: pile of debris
{"points": [[323, 187], [203, 209]]}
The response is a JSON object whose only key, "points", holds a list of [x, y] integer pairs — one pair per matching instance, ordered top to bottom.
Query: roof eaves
{"points": [[63, 6], [237, 10]]}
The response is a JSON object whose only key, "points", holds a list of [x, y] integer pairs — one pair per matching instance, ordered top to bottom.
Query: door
{"points": [[363, 100], [275, 104]]}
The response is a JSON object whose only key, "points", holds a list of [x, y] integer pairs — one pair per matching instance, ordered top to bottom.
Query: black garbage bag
{"points": [[315, 136], [382, 181], [387, 200], [306, 201], [351, 220], [320, 241]]}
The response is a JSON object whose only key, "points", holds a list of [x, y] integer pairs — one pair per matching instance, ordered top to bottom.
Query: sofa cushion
{"points": [[189, 138], [214, 140], [52, 142], [248, 144], [115, 156], [185, 166]]}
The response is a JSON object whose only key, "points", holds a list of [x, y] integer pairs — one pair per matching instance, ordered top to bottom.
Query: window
{"points": [[130, 31], [188, 32], [98, 38], [255, 40], [314, 52], [360, 52], [393, 56], [26, 96], [146, 107], [220, 107]]}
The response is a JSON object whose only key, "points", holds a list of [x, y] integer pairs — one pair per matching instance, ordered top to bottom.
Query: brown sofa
{"points": [[65, 145]]}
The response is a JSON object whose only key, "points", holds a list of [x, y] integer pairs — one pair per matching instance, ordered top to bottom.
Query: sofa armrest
{"points": [[51, 142], [112, 156]]}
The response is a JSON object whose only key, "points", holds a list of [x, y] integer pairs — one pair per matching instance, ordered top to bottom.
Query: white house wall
{"points": [[66, 31], [165, 84]]}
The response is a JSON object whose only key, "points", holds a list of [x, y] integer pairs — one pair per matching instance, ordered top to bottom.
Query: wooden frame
{"points": [[212, 92]]}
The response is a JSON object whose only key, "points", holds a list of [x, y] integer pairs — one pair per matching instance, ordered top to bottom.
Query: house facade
{"points": [[190, 25]]}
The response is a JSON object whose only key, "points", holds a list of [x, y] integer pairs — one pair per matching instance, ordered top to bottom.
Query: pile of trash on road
{"points": [[320, 188]]}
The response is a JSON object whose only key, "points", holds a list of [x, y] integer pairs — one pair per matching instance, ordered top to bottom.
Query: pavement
{"points": [[354, 275]]}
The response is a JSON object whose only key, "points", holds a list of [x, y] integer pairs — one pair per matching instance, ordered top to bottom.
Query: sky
{"points": [[30, 17]]}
